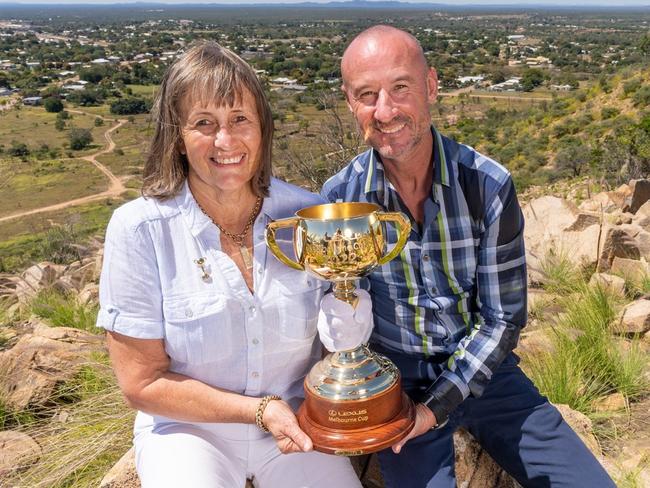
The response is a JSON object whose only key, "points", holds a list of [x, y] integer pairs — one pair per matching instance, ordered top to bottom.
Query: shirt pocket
{"points": [[298, 302], [198, 329]]}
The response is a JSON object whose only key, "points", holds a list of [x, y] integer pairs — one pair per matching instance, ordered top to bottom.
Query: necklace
{"points": [[239, 238]]}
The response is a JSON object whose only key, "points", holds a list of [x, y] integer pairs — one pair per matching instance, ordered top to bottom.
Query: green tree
{"points": [[531, 79], [53, 104], [130, 106], [59, 124], [80, 138]]}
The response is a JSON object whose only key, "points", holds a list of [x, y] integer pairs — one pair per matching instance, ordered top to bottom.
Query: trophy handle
{"points": [[403, 227], [271, 228]]}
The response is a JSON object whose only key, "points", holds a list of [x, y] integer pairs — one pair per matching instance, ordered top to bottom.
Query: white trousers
{"points": [[184, 455]]}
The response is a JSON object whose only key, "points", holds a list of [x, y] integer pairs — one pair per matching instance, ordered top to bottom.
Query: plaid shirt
{"points": [[458, 289]]}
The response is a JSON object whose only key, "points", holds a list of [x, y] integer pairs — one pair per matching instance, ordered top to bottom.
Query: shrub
{"points": [[53, 104], [130, 106], [609, 112], [99, 121], [80, 138], [18, 149]]}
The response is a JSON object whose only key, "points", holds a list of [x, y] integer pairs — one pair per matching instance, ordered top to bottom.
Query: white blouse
{"points": [[214, 330]]}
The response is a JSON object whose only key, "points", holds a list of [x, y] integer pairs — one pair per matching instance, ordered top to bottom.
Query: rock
{"points": [[640, 194], [605, 201], [643, 211], [556, 225], [618, 242], [630, 269], [35, 278], [614, 284], [89, 294], [635, 319], [535, 342], [40, 361], [611, 403], [582, 426], [17, 451], [635, 457], [475, 468], [123, 473]]}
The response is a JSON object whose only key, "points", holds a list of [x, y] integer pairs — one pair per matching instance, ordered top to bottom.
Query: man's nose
{"points": [[384, 108]]}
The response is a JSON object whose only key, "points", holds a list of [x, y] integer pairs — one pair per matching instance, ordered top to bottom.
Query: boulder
{"points": [[640, 194], [606, 201], [556, 225], [618, 242], [630, 269], [35, 278], [614, 284], [89, 294], [635, 318], [535, 342], [42, 360], [611, 403], [582, 426], [17, 451], [475, 468], [122, 474]]}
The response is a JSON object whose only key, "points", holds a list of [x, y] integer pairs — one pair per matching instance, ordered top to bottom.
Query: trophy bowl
{"points": [[354, 403]]}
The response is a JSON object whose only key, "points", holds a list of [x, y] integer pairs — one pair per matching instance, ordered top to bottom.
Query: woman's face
{"points": [[222, 144]]}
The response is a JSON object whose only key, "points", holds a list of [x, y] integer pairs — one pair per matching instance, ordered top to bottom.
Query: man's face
{"points": [[389, 90]]}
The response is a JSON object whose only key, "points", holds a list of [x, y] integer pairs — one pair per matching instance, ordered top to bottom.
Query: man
{"points": [[449, 310]]}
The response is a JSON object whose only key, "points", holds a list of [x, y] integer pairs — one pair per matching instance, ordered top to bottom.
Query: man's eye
{"points": [[400, 88], [367, 96]]}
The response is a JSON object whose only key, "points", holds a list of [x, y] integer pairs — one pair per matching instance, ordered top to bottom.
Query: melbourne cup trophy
{"points": [[354, 402]]}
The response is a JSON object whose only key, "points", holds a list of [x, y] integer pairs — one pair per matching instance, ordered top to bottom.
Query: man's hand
{"points": [[341, 326], [424, 420], [283, 425]]}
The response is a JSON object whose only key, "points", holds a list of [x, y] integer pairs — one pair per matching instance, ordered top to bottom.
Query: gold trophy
{"points": [[354, 402]]}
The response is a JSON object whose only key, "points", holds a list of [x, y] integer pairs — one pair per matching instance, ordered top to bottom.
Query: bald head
{"points": [[377, 42]]}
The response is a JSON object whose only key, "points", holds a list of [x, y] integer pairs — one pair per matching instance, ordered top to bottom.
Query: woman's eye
{"points": [[240, 118], [202, 122]]}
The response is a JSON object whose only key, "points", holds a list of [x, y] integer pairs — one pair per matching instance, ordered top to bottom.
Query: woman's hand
{"points": [[341, 326], [283, 425]]}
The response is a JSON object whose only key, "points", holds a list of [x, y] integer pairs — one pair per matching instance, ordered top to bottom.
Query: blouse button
{"points": [[425, 257], [188, 312], [255, 374]]}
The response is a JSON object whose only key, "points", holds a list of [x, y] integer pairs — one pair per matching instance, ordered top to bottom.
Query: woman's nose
{"points": [[223, 137]]}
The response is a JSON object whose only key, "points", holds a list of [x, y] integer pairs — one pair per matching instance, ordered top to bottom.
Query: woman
{"points": [[209, 335]]}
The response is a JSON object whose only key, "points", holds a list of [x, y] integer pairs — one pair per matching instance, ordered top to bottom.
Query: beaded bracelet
{"points": [[260, 411]]}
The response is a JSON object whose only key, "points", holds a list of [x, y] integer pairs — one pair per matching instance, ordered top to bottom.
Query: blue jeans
{"points": [[512, 421]]}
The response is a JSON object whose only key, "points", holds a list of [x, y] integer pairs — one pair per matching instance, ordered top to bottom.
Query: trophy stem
{"points": [[344, 291]]}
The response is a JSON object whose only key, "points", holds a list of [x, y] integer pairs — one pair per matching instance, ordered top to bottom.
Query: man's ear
{"points": [[432, 85], [347, 97]]}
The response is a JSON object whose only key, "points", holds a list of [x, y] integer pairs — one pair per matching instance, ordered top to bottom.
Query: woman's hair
{"points": [[207, 72]]}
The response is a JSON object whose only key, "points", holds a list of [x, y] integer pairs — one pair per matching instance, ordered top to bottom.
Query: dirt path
{"points": [[115, 186]]}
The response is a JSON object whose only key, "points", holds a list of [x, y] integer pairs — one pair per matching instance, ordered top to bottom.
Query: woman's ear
{"points": [[181, 148]]}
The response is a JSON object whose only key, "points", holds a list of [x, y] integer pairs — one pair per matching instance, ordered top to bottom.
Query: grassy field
{"points": [[34, 127], [32, 184]]}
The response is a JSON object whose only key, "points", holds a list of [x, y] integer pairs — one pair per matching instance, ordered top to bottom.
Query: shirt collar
{"points": [[375, 178], [196, 220]]}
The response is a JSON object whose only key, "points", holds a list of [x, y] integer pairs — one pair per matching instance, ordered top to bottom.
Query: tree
{"points": [[531, 79], [53, 105], [130, 106], [59, 124], [80, 138]]}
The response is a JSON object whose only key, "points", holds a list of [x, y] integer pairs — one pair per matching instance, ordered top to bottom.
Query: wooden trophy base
{"points": [[356, 434]]}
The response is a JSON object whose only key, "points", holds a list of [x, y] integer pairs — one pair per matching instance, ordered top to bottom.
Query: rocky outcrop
{"points": [[635, 319], [42, 360], [17, 451], [122, 474]]}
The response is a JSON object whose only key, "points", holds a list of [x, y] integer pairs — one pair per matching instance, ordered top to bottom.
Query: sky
{"points": [[566, 3]]}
